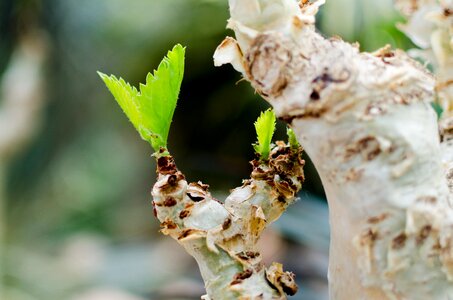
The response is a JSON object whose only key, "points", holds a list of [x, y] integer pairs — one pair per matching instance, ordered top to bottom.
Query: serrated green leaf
{"points": [[125, 95], [151, 109], [265, 128], [292, 139]]}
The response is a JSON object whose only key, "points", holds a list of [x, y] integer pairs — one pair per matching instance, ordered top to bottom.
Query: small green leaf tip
{"points": [[151, 108], [265, 128], [292, 140]]}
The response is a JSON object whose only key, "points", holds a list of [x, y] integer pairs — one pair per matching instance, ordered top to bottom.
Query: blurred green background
{"points": [[75, 216]]}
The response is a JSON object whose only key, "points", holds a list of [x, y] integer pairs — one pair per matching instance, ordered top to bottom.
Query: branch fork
{"points": [[223, 237]]}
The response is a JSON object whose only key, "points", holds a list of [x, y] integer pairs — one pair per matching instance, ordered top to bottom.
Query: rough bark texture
{"points": [[430, 27], [366, 121], [222, 237]]}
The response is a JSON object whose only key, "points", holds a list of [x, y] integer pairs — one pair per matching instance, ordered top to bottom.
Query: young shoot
{"points": [[151, 108], [265, 128], [292, 140]]}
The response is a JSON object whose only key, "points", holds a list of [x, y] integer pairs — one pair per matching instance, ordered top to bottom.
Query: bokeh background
{"points": [[75, 216]]}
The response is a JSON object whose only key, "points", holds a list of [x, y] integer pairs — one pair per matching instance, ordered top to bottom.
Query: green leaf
{"points": [[125, 95], [151, 109], [265, 128], [292, 140]]}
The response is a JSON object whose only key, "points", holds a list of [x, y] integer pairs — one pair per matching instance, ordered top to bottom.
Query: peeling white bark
{"points": [[430, 27], [365, 120], [223, 237]]}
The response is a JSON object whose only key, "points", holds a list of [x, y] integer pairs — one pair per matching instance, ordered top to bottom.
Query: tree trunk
{"points": [[366, 121]]}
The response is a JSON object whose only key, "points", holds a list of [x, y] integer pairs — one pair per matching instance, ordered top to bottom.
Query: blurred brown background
{"points": [[75, 216]]}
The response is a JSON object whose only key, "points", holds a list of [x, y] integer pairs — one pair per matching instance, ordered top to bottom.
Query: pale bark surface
{"points": [[430, 26], [366, 121], [223, 237]]}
